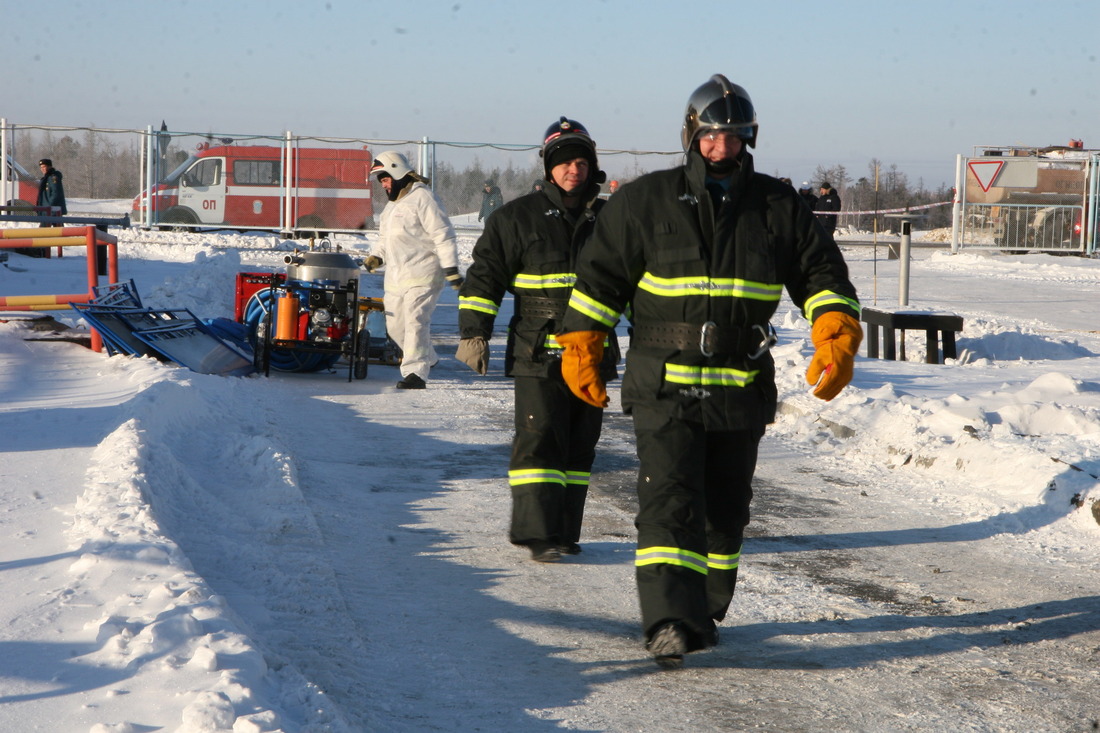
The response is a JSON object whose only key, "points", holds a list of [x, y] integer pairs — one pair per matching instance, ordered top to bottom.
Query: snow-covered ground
{"points": [[187, 552]]}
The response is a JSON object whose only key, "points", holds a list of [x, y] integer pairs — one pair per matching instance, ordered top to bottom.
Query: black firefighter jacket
{"points": [[529, 248], [659, 249]]}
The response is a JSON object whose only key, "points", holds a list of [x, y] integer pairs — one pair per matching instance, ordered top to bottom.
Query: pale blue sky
{"points": [[912, 84]]}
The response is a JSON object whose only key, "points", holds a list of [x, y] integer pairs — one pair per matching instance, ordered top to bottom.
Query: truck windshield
{"points": [[178, 171]]}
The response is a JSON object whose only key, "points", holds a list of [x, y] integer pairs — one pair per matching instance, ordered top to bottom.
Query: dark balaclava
{"points": [[398, 186]]}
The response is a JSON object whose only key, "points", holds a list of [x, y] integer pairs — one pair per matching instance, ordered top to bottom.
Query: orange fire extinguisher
{"points": [[286, 317]]}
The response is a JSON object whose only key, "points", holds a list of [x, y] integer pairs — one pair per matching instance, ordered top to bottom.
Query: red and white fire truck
{"points": [[263, 187]]}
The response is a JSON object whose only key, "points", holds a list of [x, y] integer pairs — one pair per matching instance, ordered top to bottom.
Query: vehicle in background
{"points": [[22, 185], [244, 187], [1045, 213]]}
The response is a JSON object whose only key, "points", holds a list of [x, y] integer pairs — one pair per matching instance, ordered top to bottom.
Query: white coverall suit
{"points": [[417, 242]]}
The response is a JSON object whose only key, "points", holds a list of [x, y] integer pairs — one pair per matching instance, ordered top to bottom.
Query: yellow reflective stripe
{"points": [[555, 280], [730, 287], [828, 297], [484, 305], [593, 309], [552, 342], [713, 376], [535, 476], [577, 478], [671, 556], [724, 562]]}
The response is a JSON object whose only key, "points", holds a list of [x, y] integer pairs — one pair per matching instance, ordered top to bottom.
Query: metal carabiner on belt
{"points": [[703, 332], [770, 340]]}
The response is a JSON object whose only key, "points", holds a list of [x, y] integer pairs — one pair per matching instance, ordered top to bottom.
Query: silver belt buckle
{"points": [[703, 338], [770, 339]]}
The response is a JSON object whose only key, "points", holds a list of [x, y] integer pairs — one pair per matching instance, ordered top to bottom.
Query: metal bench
{"points": [[937, 327]]}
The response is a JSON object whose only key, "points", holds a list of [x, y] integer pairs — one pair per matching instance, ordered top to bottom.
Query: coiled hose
{"points": [[282, 360]]}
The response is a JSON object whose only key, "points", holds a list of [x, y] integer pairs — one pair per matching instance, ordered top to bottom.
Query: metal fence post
{"points": [[288, 147], [4, 156], [425, 164], [146, 181], [957, 205], [1091, 215], [903, 256]]}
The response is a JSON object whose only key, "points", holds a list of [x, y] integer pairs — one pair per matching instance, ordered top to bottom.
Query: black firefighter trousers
{"points": [[552, 454], [694, 491]]}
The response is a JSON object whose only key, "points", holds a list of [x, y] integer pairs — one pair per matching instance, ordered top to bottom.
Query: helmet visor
{"points": [[730, 113]]}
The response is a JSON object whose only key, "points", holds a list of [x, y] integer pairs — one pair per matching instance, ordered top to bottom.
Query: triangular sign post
{"points": [[986, 171]]}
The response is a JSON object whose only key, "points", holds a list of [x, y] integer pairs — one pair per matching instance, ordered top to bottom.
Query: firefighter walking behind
{"points": [[529, 248], [701, 254]]}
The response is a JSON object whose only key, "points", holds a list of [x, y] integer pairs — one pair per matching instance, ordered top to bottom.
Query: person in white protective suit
{"points": [[417, 247]]}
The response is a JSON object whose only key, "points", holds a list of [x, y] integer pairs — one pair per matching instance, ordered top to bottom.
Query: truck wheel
{"points": [[179, 215]]}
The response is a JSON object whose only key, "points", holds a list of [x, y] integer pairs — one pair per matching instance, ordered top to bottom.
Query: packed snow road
{"points": [[304, 553], [865, 604]]}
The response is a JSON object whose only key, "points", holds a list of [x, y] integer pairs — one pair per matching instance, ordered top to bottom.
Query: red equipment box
{"points": [[247, 285]]}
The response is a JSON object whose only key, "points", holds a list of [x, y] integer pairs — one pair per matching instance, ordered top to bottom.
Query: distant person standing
{"points": [[51, 191], [807, 194], [491, 200], [828, 201], [417, 246]]}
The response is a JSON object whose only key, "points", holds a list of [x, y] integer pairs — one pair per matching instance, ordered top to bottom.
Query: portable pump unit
{"points": [[308, 318]]}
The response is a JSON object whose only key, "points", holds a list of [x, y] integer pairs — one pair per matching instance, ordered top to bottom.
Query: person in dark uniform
{"points": [[51, 191], [807, 194], [491, 200], [829, 200], [529, 248], [700, 254]]}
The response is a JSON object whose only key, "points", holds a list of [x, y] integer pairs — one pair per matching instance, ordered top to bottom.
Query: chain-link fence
{"points": [[97, 163], [287, 183], [1019, 200]]}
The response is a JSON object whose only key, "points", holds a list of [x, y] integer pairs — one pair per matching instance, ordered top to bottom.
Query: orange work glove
{"points": [[837, 337], [580, 365]]}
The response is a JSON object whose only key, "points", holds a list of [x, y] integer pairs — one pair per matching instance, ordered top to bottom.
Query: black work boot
{"points": [[412, 382], [544, 552], [668, 646]]}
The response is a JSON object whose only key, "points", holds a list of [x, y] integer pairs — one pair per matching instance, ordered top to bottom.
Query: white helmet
{"points": [[392, 164]]}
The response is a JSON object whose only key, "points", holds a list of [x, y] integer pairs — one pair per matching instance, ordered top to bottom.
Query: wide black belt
{"points": [[533, 306], [709, 338]]}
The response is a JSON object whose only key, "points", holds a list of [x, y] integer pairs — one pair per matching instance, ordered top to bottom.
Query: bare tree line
{"points": [[96, 165], [884, 188]]}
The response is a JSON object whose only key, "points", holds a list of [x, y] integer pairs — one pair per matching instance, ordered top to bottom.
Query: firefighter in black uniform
{"points": [[529, 248], [701, 254]]}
